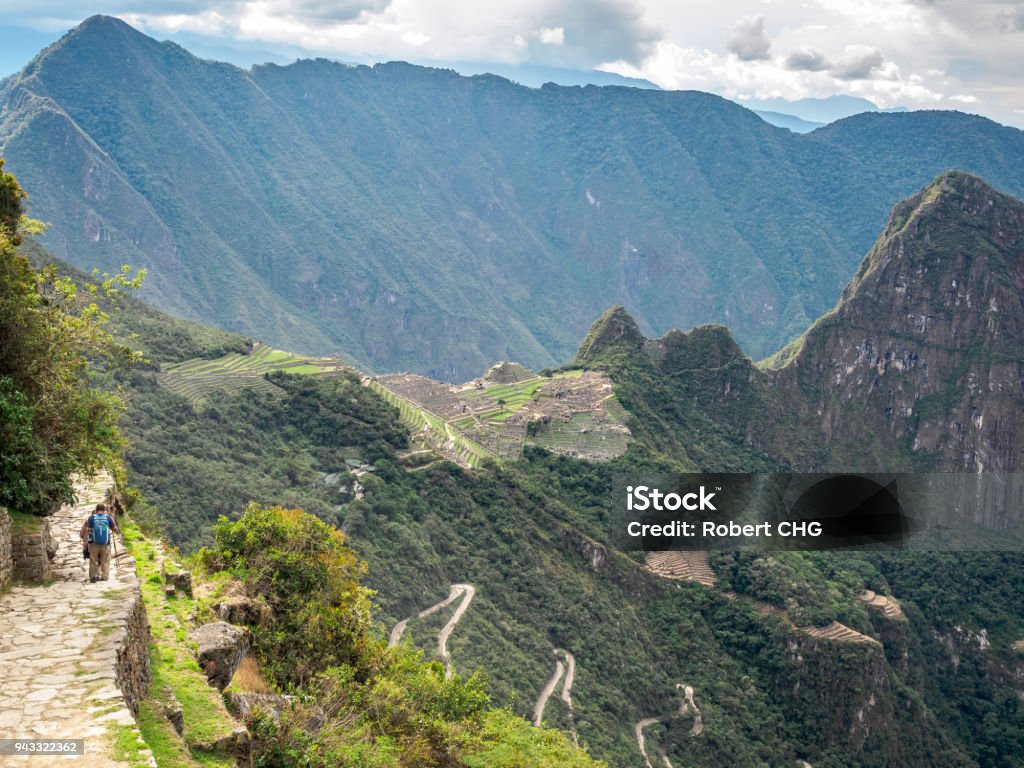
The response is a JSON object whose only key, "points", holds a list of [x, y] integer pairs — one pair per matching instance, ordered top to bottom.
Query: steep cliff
{"points": [[920, 363]]}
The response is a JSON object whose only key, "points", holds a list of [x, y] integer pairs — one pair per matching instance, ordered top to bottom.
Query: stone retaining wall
{"points": [[32, 553], [6, 557], [133, 670]]}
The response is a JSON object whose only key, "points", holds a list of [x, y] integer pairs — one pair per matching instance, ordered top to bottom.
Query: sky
{"points": [[920, 54]]}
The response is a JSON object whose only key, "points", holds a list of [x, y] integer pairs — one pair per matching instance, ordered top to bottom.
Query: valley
{"points": [[527, 527], [430, 574]]}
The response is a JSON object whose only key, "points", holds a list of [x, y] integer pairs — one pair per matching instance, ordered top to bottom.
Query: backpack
{"points": [[99, 527]]}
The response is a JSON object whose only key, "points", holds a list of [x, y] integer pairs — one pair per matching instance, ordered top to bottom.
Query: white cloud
{"points": [[550, 36], [415, 38], [748, 40], [897, 52], [806, 60], [859, 62]]}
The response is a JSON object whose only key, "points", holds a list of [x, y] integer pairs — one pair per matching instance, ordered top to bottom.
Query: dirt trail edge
{"points": [[466, 592]]}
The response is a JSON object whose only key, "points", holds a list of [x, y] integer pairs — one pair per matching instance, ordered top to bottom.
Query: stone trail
{"points": [[61, 645]]}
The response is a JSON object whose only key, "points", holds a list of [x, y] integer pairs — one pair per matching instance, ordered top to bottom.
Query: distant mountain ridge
{"points": [[821, 110], [414, 219]]}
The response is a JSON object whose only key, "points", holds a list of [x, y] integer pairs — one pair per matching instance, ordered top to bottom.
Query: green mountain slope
{"points": [[411, 218], [837, 659]]}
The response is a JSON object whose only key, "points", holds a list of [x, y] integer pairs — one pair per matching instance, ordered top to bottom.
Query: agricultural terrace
{"points": [[199, 378], [570, 412]]}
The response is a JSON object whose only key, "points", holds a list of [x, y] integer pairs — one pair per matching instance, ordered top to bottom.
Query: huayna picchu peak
{"points": [[923, 351]]}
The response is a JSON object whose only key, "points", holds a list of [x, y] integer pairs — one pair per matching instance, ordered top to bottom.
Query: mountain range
{"points": [[411, 218], [830, 659]]}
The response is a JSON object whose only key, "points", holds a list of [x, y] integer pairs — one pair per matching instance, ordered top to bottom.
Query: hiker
{"points": [[97, 533]]}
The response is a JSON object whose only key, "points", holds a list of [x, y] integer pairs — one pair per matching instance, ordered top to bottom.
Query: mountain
{"points": [[21, 45], [535, 75], [823, 110], [795, 124], [411, 218], [924, 353], [918, 366], [837, 659]]}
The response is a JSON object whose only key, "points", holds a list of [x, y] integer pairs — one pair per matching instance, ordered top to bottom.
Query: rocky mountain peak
{"points": [[615, 327], [925, 346]]}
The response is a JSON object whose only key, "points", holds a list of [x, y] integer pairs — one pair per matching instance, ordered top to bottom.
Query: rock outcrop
{"points": [[924, 349], [240, 609], [221, 648]]}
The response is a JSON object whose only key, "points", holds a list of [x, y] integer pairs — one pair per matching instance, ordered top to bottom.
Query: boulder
{"points": [[181, 581], [240, 609], [221, 648], [172, 710]]}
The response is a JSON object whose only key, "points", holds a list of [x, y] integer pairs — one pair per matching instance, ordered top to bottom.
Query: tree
{"points": [[53, 421], [303, 569]]}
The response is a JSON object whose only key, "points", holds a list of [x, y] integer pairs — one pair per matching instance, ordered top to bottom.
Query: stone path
{"points": [[58, 648]]}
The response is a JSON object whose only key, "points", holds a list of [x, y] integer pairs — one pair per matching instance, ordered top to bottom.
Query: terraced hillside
{"points": [[200, 378], [571, 412], [682, 566], [695, 566], [887, 605]]}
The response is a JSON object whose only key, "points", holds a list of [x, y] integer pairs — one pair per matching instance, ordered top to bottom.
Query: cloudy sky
{"points": [[950, 54]]}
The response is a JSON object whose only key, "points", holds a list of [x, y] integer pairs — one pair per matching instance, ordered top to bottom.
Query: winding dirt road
{"points": [[466, 592], [569, 670], [686, 704], [639, 731]]}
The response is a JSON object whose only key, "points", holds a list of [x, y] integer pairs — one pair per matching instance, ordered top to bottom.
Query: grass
{"points": [[419, 419], [23, 524], [174, 667], [249, 679], [125, 746]]}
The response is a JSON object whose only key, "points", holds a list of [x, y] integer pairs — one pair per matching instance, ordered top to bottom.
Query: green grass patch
{"points": [[199, 378], [23, 524], [174, 666], [124, 741]]}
